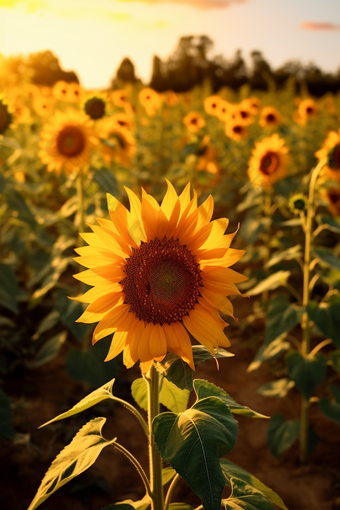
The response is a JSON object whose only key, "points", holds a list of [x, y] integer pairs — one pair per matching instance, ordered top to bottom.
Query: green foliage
{"points": [[289, 254], [327, 257], [272, 282], [9, 289], [281, 317], [327, 317], [49, 350], [269, 352], [308, 372], [278, 389], [170, 395], [331, 408], [6, 427], [210, 433], [282, 434], [78, 456]]}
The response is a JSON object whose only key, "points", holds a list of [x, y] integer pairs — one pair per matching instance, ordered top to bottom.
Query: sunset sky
{"points": [[93, 36]]}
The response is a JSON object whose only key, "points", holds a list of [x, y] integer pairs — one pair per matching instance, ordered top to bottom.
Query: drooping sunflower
{"points": [[150, 99], [95, 105], [211, 105], [6, 115], [270, 117], [194, 121], [236, 130], [67, 141], [117, 141], [331, 151], [269, 162], [159, 272]]}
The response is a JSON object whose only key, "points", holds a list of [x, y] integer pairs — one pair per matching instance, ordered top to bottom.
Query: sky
{"points": [[92, 37]]}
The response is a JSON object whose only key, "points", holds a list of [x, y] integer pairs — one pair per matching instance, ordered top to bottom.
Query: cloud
{"points": [[199, 4], [314, 25]]}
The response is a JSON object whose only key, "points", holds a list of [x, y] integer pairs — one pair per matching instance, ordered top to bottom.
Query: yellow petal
{"points": [[157, 342]]}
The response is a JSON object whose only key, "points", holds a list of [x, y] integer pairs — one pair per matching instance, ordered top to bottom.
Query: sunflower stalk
{"points": [[305, 323], [155, 460]]}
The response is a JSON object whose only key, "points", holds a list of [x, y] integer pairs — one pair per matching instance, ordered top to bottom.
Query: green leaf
{"points": [[17, 203], [294, 222], [331, 224], [289, 254], [327, 257], [271, 282], [9, 289], [281, 317], [327, 317], [47, 323], [49, 350], [268, 352], [335, 358], [89, 366], [306, 371], [179, 372], [205, 389], [278, 389], [335, 392], [170, 395], [90, 400], [330, 409], [6, 427], [281, 434], [193, 442], [74, 459], [231, 471], [167, 475], [245, 497], [142, 504], [119, 506]]}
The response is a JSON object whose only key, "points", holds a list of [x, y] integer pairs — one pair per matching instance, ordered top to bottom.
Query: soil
{"points": [[50, 391]]}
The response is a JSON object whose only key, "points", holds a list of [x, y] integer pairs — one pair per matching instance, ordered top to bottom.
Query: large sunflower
{"points": [[67, 141], [331, 151], [269, 162], [159, 273]]}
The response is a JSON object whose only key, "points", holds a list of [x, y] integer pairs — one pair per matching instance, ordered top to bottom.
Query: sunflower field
{"points": [[247, 236]]}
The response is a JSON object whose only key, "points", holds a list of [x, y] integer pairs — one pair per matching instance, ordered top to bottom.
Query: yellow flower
{"points": [[69, 92], [170, 97], [119, 98], [150, 99], [254, 104], [43, 105], [211, 105], [223, 109], [307, 110], [240, 113], [6, 115], [270, 117], [194, 121], [236, 130], [67, 141], [117, 141], [331, 151], [207, 157], [269, 162], [331, 195], [159, 273]]}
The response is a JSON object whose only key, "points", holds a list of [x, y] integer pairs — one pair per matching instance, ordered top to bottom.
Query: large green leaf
{"points": [[17, 202], [330, 223], [289, 254], [326, 257], [271, 282], [9, 289], [281, 317], [327, 317], [49, 350], [268, 352], [307, 371], [179, 372], [278, 388], [204, 389], [170, 395], [90, 400], [331, 409], [6, 427], [281, 434], [193, 442], [74, 459], [232, 471], [245, 497], [141, 504]]}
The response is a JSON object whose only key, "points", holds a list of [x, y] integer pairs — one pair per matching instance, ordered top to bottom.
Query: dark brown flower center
{"points": [[213, 105], [95, 108], [309, 110], [244, 114], [3, 117], [271, 118], [194, 120], [237, 130], [70, 141], [334, 157], [269, 163], [334, 198], [162, 282]]}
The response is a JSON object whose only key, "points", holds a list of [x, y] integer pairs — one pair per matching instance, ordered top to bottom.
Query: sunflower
{"points": [[69, 92], [119, 98], [170, 98], [150, 99], [254, 104], [211, 105], [43, 106], [95, 106], [223, 109], [307, 110], [240, 113], [6, 115], [270, 117], [194, 121], [236, 130], [67, 141], [117, 141], [331, 151], [269, 162], [331, 195], [159, 273]]}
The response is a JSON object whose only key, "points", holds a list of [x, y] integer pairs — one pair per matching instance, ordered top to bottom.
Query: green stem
{"points": [[305, 345], [155, 460], [137, 465], [170, 490]]}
